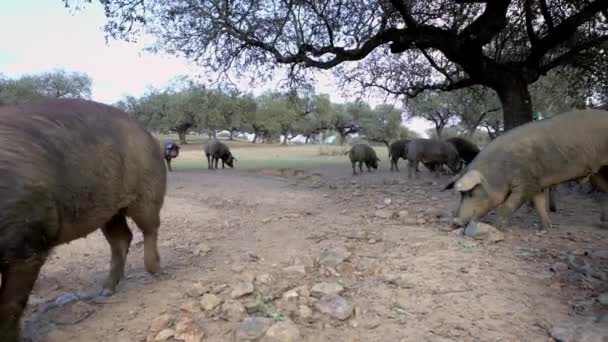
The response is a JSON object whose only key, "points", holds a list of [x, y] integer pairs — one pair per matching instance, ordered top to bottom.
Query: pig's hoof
{"points": [[105, 293]]}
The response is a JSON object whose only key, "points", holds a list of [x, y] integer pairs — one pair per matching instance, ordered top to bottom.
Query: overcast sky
{"points": [[41, 35]]}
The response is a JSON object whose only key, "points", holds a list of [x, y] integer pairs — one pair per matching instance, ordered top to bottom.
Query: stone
{"points": [[387, 201], [384, 213], [403, 214], [483, 231], [202, 249], [601, 254], [334, 256], [559, 267], [237, 268], [301, 269], [264, 278], [398, 280], [241, 289], [322, 289], [197, 290], [290, 295], [603, 298], [210, 301], [335, 306], [191, 307], [233, 310], [304, 311], [159, 323], [253, 328], [186, 330], [285, 331], [580, 332], [164, 335]]}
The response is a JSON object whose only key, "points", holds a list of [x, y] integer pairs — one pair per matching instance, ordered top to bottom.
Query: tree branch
{"points": [[401, 7], [545, 11], [489, 23], [529, 26], [564, 30], [572, 55], [435, 65]]}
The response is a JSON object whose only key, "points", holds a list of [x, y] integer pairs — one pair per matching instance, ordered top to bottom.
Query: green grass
{"points": [[275, 163]]}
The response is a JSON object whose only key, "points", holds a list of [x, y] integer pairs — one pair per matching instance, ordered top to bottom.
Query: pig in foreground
{"points": [[466, 149], [171, 150], [216, 150], [397, 150], [363, 153], [434, 153], [523, 163], [67, 168]]}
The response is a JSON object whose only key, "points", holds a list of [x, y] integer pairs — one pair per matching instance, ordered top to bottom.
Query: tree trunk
{"points": [[516, 102], [438, 131], [212, 134], [182, 136], [231, 137], [255, 137], [342, 137], [285, 138], [306, 141]]}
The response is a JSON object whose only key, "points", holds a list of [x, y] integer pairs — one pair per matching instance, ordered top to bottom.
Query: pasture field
{"points": [[257, 240]]}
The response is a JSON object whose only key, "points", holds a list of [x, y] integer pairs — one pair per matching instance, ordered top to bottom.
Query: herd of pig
{"points": [[70, 166]]}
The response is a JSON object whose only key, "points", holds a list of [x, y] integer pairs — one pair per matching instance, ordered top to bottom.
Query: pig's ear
{"points": [[468, 181]]}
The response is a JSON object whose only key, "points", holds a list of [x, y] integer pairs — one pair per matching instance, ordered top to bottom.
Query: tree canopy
{"points": [[402, 47], [56, 83]]}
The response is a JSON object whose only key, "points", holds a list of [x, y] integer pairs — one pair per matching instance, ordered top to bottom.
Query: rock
{"points": [[387, 201], [435, 212], [384, 213], [403, 214], [483, 231], [457, 232], [202, 249], [601, 254], [334, 256], [580, 265], [559, 267], [237, 268], [301, 269], [263, 278], [399, 280], [241, 289], [322, 289], [197, 290], [303, 291], [290, 295], [603, 298], [210, 301], [335, 306], [191, 307], [232, 310], [304, 311], [159, 323], [252, 328], [186, 330], [285, 331], [581, 332], [164, 335]]}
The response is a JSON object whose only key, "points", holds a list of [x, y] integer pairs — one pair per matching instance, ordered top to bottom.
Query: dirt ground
{"points": [[408, 277]]}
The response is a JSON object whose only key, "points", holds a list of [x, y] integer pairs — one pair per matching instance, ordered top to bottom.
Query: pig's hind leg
{"points": [[119, 237]]}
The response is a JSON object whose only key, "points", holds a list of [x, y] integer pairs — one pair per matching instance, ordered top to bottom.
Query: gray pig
{"points": [[171, 149], [216, 150], [467, 150], [363, 153], [434, 153], [521, 164], [68, 167]]}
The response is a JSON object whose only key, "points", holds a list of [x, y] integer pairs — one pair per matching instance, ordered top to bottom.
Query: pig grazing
{"points": [[466, 149], [216, 150], [397, 150], [171, 151], [363, 153], [434, 153], [521, 164], [67, 168]]}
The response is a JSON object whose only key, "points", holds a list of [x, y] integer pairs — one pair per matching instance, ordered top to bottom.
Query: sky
{"points": [[41, 35]]}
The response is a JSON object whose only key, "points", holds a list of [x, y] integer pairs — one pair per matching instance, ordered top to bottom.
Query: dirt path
{"points": [[408, 278]]}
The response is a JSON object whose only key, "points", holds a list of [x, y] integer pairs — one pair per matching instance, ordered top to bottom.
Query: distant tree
{"points": [[57, 83], [439, 108], [382, 124]]}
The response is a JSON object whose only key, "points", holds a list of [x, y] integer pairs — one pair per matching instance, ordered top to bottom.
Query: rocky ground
{"points": [[319, 255]]}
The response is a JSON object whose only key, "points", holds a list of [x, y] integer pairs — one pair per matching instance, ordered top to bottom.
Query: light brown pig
{"points": [[521, 164]]}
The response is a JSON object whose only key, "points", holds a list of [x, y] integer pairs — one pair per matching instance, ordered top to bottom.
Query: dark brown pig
{"points": [[466, 149], [171, 150], [216, 150], [397, 150], [363, 153], [434, 153], [522, 163], [67, 168]]}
